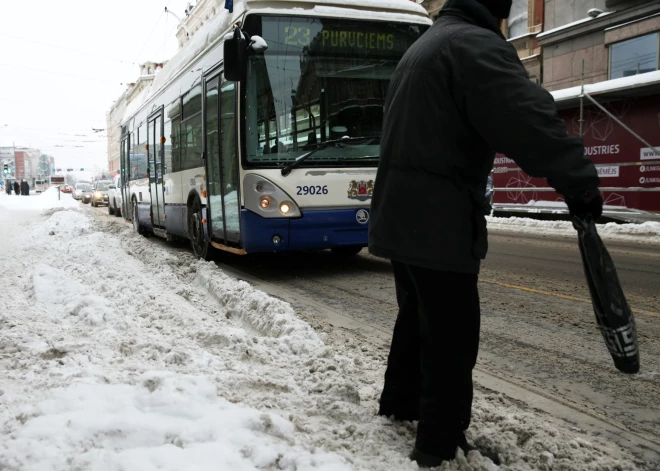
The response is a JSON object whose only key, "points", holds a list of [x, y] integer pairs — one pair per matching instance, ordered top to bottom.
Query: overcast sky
{"points": [[63, 63]]}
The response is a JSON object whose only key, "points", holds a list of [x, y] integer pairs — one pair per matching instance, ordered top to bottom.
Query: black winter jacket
{"points": [[459, 95]]}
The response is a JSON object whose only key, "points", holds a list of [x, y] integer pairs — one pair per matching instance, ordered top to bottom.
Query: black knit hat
{"points": [[497, 8]]}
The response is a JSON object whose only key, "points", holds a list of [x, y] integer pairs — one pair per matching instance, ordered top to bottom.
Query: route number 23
{"points": [[297, 36]]}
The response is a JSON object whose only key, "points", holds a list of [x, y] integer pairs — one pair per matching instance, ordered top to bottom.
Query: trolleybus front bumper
{"points": [[316, 229]]}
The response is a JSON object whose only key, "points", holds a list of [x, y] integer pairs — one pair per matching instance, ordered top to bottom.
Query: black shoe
{"points": [[426, 460]]}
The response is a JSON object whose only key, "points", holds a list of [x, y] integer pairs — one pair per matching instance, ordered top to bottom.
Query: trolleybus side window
{"points": [[174, 112], [191, 130], [150, 149], [139, 157], [167, 159]]}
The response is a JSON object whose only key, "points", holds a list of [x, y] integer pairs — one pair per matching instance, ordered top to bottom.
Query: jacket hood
{"points": [[473, 12]]}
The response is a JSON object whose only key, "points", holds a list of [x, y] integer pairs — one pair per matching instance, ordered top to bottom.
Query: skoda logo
{"points": [[362, 216]]}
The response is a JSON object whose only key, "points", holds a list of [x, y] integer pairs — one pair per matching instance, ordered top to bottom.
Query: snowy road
{"points": [[538, 333], [531, 337], [122, 352]]}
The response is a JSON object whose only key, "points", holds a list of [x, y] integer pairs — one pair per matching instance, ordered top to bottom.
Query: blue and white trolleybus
{"points": [[263, 133]]}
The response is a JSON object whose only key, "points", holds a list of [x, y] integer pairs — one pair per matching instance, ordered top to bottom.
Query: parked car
{"points": [[78, 190], [100, 193], [86, 196], [114, 197]]}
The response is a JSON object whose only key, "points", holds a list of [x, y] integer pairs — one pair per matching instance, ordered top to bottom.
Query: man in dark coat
{"points": [[459, 95], [17, 188], [25, 188]]}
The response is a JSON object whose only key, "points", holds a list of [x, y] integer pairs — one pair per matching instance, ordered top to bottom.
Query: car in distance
{"points": [[78, 190], [100, 192], [86, 196], [114, 197]]}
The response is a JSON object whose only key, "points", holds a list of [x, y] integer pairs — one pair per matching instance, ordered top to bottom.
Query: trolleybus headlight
{"points": [[268, 200], [276, 239]]}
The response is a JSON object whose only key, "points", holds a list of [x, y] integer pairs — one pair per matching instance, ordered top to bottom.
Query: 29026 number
{"points": [[312, 190]]}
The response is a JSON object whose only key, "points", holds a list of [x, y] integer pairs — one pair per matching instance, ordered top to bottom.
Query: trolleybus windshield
{"points": [[320, 79]]}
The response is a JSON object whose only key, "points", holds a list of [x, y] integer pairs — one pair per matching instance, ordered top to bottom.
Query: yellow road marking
{"points": [[562, 296]]}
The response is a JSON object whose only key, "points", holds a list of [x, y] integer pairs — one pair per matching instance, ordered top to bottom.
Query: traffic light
{"points": [[5, 169]]}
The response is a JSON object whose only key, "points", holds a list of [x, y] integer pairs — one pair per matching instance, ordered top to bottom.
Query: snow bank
{"points": [[35, 203], [646, 233], [266, 315], [120, 353], [162, 422]]}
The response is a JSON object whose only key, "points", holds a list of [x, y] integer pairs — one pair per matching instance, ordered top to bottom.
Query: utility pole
{"points": [[582, 100]]}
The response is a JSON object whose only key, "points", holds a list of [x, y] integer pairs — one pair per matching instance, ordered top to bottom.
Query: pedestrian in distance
{"points": [[459, 95], [8, 187], [17, 188], [25, 188]]}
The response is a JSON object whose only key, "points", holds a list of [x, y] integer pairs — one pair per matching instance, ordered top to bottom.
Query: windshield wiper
{"points": [[296, 163]]}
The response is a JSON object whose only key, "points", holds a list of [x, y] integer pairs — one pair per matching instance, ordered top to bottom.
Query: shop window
{"points": [[634, 56]]}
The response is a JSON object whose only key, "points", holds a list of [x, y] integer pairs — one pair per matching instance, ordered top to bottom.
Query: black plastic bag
{"points": [[613, 315]]}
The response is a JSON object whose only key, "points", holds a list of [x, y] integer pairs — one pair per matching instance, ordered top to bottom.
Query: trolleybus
{"points": [[263, 133], [58, 180]]}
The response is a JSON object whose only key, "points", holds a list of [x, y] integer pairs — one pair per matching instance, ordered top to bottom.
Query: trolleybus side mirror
{"points": [[258, 44], [236, 50], [235, 56]]}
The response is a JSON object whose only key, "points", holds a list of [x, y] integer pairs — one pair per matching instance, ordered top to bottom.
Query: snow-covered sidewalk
{"points": [[645, 233], [120, 353]]}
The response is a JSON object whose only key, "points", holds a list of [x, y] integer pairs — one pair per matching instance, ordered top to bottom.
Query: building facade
{"points": [[195, 16], [612, 48], [114, 116], [23, 162]]}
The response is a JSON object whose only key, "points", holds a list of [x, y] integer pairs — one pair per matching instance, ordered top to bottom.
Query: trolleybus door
{"points": [[229, 154], [221, 160], [213, 163], [125, 168], [156, 170]]}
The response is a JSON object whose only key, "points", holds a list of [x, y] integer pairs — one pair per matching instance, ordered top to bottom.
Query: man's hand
{"points": [[589, 202]]}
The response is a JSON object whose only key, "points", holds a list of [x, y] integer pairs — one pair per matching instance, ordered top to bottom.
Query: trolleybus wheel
{"points": [[198, 242], [348, 251]]}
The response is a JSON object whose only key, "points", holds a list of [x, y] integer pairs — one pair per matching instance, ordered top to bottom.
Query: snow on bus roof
{"points": [[375, 5], [211, 31], [624, 83]]}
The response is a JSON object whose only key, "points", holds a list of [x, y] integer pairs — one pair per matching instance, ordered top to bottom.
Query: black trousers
{"points": [[433, 352]]}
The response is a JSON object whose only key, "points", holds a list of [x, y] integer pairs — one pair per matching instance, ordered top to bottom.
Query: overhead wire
{"points": [[150, 34], [68, 49], [58, 73]]}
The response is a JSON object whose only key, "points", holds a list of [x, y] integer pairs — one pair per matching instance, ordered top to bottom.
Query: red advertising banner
{"points": [[619, 156], [20, 164]]}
